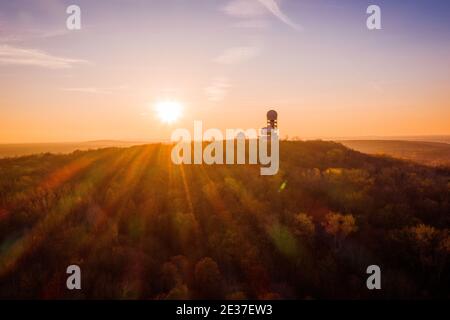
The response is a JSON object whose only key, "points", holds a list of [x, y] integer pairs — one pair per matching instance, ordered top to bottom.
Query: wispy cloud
{"points": [[273, 7], [244, 8], [247, 9], [49, 34], [17, 36], [10, 55], [237, 55], [218, 89], [88, 90], [96, 90]]}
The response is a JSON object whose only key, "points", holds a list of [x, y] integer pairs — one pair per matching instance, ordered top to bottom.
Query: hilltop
{"points": [[25, 149], [425, 152], [141, 227]]}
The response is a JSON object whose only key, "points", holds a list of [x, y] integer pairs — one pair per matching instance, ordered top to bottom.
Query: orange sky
{"points": [[227, 62]]}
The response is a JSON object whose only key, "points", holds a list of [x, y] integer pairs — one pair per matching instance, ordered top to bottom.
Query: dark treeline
{"points": [[142, 228]]}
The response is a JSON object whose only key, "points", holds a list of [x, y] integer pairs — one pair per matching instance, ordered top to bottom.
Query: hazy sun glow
{"points": [[168, 111]]}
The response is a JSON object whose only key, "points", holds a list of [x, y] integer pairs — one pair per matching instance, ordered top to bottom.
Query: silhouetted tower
{"points": [[272, 120], [272, 124]]}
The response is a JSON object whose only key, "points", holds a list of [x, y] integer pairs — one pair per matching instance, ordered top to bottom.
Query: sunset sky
{"points": [[227, 62]]}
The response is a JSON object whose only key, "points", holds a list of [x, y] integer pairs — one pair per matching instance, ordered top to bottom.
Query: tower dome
{"points": [[272, 115]]}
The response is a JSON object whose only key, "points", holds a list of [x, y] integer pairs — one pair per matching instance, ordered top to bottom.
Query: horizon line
{"points": [[293, 138]]}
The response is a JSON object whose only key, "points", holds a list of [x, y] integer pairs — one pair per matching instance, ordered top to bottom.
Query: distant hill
{"points": [[429, 138], [22, 149], [425, 152], [429, 153], [141, 227]]}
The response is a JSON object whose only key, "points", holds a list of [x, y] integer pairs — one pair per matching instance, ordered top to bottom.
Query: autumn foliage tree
{"points": [[339, 226], [141, 227], [208, 279]]}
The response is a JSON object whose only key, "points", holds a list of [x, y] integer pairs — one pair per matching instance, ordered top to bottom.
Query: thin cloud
{"points": [[273, 7], [244, 8], [250, 9], [50, 34], [25, 35], [10, 55], [237, 55], [218, 89], [88, 90], [96, 90]]}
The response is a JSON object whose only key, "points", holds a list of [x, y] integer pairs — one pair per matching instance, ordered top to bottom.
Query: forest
{"points": [[141, 227]]}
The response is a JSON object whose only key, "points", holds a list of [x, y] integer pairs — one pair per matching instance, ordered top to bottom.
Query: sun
{"points": [[169, 111]]}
